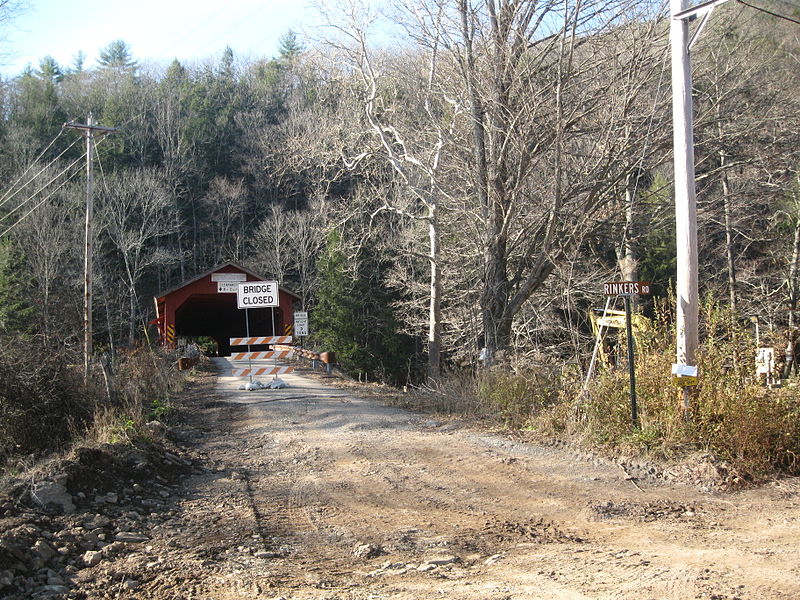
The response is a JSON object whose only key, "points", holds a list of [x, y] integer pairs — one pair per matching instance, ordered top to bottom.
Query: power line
{"points": [[769, 12], [176, 43], [35, 160], [41, 189], [6, 197], [43, 200]]}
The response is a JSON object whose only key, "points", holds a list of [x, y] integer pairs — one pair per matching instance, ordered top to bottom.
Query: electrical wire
{"points": [[769, 12], [191, 32], [35, 160], [100, 165], [41, 189], [7, 197], [42, 201]]}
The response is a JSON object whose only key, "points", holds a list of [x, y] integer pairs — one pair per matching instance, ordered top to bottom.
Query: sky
{"points": [[156, 30]]}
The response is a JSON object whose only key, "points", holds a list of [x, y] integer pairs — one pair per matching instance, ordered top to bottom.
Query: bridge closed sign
{"points": [[257, 294]]}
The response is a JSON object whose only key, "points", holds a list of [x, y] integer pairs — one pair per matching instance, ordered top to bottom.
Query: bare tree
{"points": [[558, 101], [409, 122], [224, 210], [134, 211], [306, 236], [49, 239], [272, 242]]}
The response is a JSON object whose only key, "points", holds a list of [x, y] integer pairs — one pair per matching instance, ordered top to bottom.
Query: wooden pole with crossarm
{"points": [[90, 130]]}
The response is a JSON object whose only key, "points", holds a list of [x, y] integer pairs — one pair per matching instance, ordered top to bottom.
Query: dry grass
{"points": [[45, 405], [755, 429]]}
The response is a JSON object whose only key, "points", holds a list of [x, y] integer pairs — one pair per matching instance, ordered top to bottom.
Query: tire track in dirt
{"points": [[313, 495]]}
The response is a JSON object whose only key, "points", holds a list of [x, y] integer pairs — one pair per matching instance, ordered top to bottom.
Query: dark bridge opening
{"points": [[216, 316]]}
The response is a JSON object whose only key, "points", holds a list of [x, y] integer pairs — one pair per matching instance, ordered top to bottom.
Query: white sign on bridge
{"points": [[257, 294]]}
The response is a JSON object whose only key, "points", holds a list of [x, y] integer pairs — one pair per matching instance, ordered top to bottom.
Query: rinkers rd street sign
{"points": [[627, 288]]}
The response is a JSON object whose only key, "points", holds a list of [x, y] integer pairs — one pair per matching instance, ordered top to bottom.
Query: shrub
{"points": [[43, 400], [512, 400], [45, 403], [755, 428]]}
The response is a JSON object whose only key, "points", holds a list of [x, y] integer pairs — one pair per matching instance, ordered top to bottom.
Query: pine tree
{"points": [[289, 47], [117, 56], [16, 315], [354, 316], [333, 320]]}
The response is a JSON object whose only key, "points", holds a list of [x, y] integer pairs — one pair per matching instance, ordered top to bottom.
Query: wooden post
{"points": [[90, 128], [685, 200], [89, 248]]}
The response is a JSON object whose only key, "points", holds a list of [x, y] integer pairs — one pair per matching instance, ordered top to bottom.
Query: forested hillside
{"points": [[468, 185]]}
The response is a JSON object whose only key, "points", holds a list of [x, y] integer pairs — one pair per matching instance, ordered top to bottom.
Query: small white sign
{"points": [[228, 277], [227, 287], [257, 294], [301, 323], [765, 361], [684, 370]]}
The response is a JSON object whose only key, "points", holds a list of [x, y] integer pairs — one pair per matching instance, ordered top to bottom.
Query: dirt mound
{"points": [[96, 504]]}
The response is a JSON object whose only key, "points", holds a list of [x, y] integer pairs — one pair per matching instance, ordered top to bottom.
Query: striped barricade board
{"points": [[257, 341], [261, 355], [263, 371]]}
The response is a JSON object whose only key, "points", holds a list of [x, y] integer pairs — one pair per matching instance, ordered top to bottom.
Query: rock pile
{"points": [[100, 503]]}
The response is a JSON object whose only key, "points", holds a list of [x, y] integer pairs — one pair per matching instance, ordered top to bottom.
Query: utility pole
{"points": [[90, 129], [685, 200], [688, 303]]}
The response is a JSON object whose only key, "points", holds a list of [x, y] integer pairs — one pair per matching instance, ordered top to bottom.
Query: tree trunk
{"points": [[726, 208], [626, 256], [793, 275], [435, 311], [132, 319]]}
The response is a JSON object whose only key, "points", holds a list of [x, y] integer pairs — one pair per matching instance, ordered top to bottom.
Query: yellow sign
{"points": [[615, 321], [684, 381]]}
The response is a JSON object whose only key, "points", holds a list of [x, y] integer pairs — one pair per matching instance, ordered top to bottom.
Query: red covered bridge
{"points": [[206, 306]]}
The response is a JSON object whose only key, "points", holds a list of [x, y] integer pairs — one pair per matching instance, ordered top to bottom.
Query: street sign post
{"points": [[626, 289], [255, 294]]}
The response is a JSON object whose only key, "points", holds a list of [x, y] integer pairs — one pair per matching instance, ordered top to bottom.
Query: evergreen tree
{"points": [[289, 47], [117, 56], [78, 61], [49, 70], [36, 105], [16, 315], [354, 316], [333, 320]]}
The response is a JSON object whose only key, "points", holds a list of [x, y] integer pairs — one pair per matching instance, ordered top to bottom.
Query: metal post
{"points": [[685, 200], [274, 333], [249, 359], [631, 362]]}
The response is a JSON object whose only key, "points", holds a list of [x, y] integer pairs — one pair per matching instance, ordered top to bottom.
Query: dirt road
{"points": [[312, 492]]}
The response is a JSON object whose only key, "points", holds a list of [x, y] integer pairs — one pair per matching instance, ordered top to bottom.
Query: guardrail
{"points": [[189, 358], [328, 359]]}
